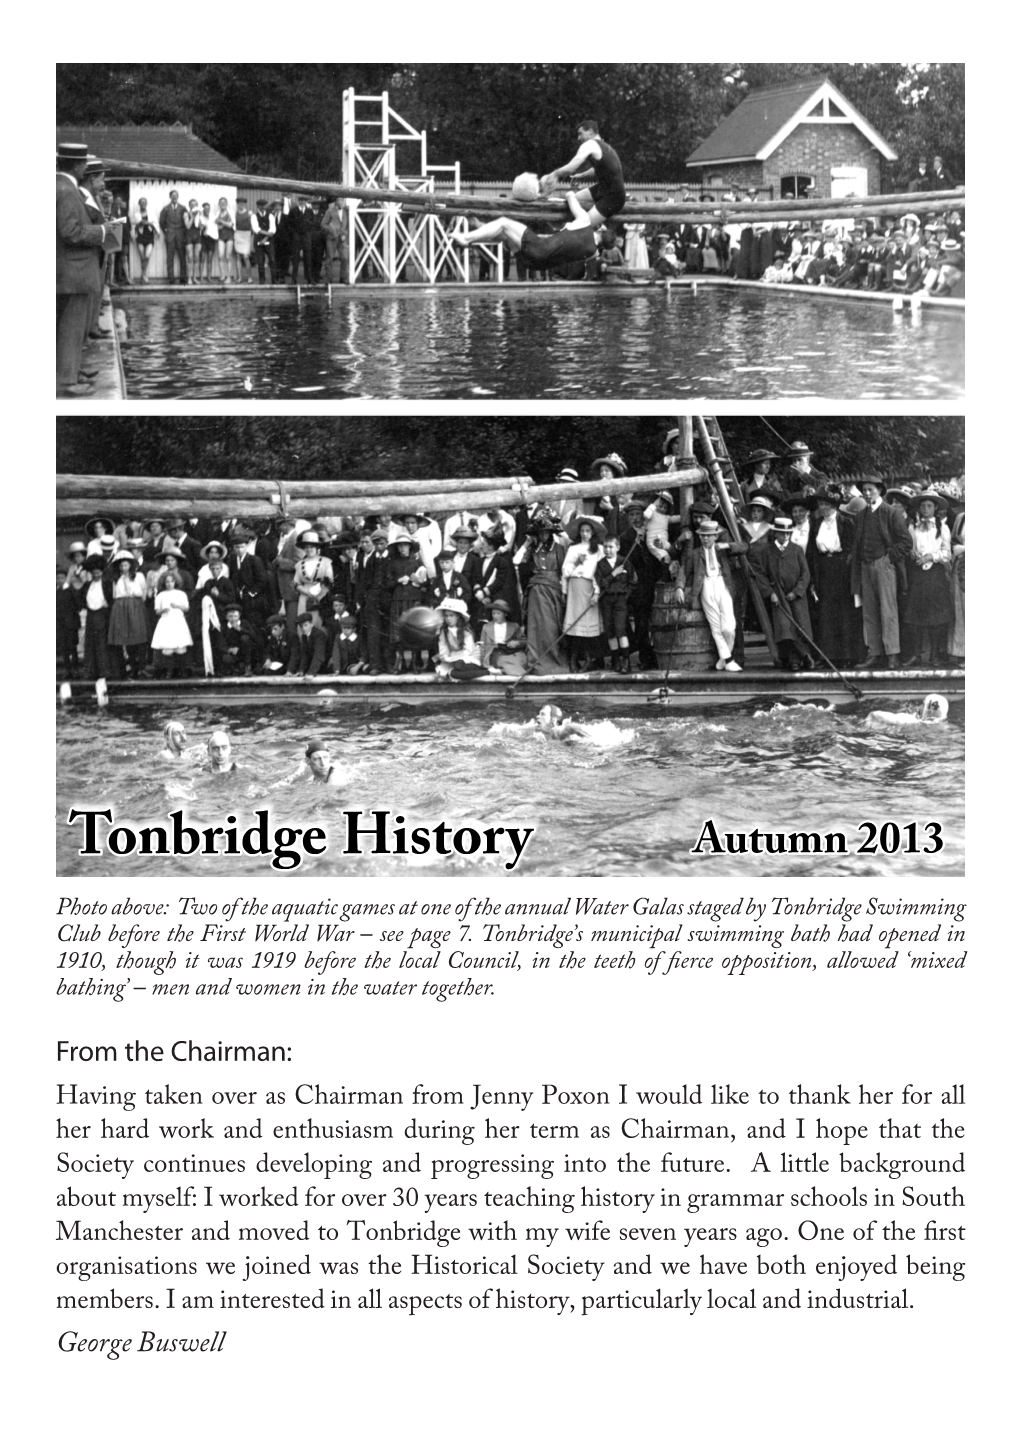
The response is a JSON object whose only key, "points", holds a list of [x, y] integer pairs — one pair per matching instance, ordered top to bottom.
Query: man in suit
{"points": [[92, 188], [301, 223], [174, 229], [79, 253], [881, 543], [188, 547], [250, 577], [374, 595]]}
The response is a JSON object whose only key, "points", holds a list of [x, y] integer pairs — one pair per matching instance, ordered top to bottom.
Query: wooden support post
{"points": [[685, 459], [722, 492]]}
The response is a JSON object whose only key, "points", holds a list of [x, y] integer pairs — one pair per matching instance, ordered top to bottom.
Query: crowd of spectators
{"points": [[300, 239], [913, 253], [854, 573]]}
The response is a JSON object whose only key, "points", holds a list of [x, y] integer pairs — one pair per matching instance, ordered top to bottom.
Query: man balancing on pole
{"points": [[606, 197], [576, 241]]}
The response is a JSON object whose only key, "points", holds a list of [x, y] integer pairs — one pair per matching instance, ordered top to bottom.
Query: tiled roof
{"points": [[758, 117], [163, 145]]}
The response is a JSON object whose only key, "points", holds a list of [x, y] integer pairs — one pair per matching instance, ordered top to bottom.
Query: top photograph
{"points": [[473, 232]]}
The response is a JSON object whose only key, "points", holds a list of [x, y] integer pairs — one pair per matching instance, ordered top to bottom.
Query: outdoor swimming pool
{"points": [[534, 342], [634, 807]]}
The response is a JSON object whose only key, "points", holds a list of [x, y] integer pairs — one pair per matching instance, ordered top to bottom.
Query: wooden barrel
{"points": [[680, 635]]}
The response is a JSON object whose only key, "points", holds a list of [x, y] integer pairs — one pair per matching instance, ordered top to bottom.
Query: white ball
{"points": [[525, 187]]}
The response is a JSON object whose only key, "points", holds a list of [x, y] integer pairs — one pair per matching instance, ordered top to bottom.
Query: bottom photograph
{"points": [[559, 646]]}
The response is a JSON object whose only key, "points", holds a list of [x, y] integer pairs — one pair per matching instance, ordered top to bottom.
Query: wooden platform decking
{"points": [[580, 288], [104, 354], [533, 690]]}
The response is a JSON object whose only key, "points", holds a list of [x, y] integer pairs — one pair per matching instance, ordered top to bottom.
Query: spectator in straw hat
{"points": [[79, 253], [707, 582]]}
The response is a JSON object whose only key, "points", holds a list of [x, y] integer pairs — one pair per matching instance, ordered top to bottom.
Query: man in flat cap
{"points": [[79, 251]]}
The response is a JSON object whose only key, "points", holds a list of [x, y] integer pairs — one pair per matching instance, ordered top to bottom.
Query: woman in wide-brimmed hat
{"points": [[606, 469], [760, 510], [100, 533], [540, 569], [313, 574], [405, 577], [929, 605], [837, 623], [582, 625], [128, 636]]}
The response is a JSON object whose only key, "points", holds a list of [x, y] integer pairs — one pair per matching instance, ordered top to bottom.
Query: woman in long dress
{"points": [[635, 251], [541, 564], [313, 575], [929, 607], [836, 622], [582, 623], [128, 637]]}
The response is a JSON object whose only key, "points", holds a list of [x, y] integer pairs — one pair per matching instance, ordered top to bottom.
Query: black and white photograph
{"points": [[555, 232], [643, 645]]}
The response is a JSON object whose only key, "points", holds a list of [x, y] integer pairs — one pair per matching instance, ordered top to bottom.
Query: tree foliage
{"points": [[497, 120], [290, 449]]}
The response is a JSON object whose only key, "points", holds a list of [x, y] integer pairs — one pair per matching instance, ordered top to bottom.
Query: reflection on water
{"points": [[535, 343], [635, 808]]}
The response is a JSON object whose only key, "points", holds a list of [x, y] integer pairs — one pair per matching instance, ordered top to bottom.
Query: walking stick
{"points": [[857, 693]]}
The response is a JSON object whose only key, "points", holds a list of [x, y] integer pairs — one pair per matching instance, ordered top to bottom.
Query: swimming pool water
{"points": [[530, 342], [634, 807]]}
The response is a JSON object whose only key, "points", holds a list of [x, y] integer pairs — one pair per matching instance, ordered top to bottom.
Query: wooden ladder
{"points": [[715, 449], [724, 480]]}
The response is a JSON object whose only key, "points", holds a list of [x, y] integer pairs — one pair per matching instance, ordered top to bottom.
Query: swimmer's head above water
{"points": [[935, 709], [550, 717], [175, 737], [218, 748], [318, 759]]}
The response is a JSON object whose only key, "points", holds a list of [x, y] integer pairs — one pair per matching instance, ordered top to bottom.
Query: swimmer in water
{"points": [[934, 710], [552, 725], [175, 741], [218, 751], [318, 767], [321, 767]]}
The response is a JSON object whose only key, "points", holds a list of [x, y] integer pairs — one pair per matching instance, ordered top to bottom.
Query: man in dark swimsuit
{"points": [[606, 197], [576, 241]]}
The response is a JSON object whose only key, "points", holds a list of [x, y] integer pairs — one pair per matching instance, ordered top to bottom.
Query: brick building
{"points": [[787, 139]]}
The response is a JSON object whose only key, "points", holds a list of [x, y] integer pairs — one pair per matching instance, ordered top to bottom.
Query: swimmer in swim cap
{"points": [[934, 710], [175, 741], [322, 769]]}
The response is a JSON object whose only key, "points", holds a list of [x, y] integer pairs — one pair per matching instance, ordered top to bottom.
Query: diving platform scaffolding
{"points": [[388, 240]]}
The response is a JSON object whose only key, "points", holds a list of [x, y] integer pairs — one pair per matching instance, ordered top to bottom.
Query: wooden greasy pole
{"points": [[552, 208], [715, 472], [71, 486], [300, 504]]}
